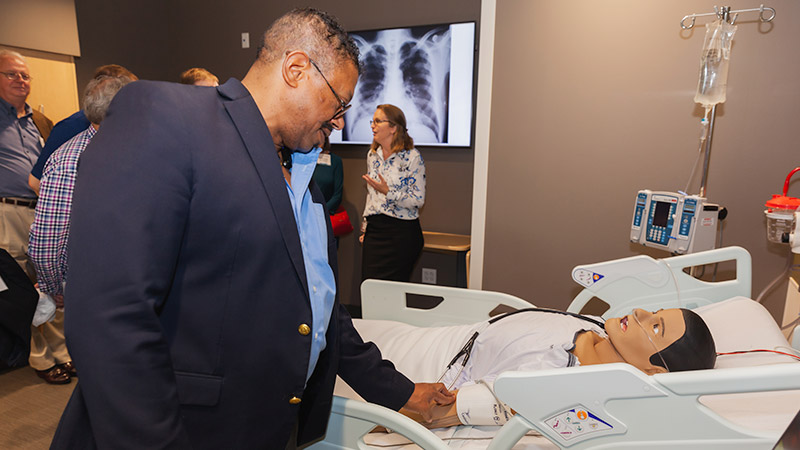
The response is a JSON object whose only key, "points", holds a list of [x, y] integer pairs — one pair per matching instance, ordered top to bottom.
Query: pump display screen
{"points": [[661, 216]]}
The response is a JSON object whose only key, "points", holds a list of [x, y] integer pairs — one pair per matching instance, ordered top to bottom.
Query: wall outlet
{"points": [[245, 40], [429, 276]]}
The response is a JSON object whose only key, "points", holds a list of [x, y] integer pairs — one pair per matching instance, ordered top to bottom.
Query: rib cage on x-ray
{"points": [[410, 73]]}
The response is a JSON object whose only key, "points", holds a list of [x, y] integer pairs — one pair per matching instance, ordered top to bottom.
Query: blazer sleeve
{"points": [[43, 124], [130, 205], [363, 368]]}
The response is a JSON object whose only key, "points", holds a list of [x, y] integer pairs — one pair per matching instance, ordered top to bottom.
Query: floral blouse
{"points": [[404, 172]]}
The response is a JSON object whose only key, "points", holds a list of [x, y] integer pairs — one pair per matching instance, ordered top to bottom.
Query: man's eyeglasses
{"points": [[25, 77], [343, 107], [379, 121]]}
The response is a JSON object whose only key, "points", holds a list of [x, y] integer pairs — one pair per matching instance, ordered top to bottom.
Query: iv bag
{"points": [[714, 63]]}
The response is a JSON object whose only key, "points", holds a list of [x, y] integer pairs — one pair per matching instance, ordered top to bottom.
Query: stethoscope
{"points": [[466, 350]]}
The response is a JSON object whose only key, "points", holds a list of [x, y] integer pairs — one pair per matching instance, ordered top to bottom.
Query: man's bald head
{"points": [[312, 31]]}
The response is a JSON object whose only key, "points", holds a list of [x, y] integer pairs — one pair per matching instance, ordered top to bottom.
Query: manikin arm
{"points": [[475, 404]]}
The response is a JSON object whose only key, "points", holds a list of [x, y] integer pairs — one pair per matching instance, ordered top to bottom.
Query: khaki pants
{"points": [[15, 227], [48, 346]]}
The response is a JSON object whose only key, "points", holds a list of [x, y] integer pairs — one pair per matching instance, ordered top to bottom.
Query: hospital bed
{"points": [[615, 404]]}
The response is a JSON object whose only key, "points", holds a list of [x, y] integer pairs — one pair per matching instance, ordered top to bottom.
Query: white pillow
{"points": [[740, 323]]}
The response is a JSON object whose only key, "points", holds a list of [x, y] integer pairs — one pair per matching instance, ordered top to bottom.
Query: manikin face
{"points": [[14, 91], [383, 131], [637, 343]]}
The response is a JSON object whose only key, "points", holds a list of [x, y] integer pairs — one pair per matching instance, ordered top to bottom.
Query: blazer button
{"points": [[304, 329], [295, 401]]}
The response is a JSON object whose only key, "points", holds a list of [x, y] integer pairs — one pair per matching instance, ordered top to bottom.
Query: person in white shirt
{"points": [[391, 234], [469, 358]]}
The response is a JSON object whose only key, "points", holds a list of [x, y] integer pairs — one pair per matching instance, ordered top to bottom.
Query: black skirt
{"points": [[391, 248]]}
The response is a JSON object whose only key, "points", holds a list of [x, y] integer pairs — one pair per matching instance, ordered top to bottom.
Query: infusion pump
{"points": [[674, 222]]}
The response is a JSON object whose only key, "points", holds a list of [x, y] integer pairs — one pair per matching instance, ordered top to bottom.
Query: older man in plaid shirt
{"points": [[50, 230]]}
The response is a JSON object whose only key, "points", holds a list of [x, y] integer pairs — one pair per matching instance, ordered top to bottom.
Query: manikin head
{"points": [[669, 340]]}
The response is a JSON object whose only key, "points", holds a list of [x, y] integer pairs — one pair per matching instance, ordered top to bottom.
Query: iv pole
{"points": [[725, 14], [707, 151]]}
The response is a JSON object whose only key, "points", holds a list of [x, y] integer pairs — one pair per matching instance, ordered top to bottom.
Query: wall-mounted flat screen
{"points": [[427, 71]]}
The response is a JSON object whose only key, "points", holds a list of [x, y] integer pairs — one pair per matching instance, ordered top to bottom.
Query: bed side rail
{"points": [[644, 282], [386, 300], [616, 405], [351, 419]]}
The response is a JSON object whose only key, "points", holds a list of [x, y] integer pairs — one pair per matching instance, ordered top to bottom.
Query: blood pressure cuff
{"points": [[477, 405]]}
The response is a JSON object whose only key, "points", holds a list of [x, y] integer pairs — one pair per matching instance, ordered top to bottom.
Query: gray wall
{"points": [[44, 25], [135, 34], [158, 40], [592, 101]]}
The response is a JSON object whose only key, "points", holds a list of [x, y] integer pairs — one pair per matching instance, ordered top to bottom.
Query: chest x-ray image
{"points": [[426, 71]]}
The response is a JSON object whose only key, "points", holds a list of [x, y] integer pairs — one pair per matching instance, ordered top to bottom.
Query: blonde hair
{"points": [[116, 71], [196, 74], [401, 140]]}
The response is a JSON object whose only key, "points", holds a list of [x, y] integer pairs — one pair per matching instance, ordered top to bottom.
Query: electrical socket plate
{"points": [[429, 276]]}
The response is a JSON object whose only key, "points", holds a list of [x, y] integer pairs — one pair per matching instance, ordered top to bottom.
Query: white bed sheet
{"points": [[408, 345]]}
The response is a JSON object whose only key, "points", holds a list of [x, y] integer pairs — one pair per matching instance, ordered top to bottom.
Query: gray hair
{"points": [[309, 29], [6, 53], [99, 93]]}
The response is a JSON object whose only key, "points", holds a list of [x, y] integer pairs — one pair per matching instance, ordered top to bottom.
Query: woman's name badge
{"points": [[324, 159]]}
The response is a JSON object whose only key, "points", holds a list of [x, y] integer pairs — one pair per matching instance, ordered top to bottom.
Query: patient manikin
{"points": [[468, 358]]}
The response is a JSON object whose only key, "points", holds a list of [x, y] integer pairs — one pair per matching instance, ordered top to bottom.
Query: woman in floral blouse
{"points": [[391, 233]]}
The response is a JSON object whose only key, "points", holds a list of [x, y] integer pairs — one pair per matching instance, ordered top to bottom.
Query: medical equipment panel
{"points": [[674, 222], [577, 422]]}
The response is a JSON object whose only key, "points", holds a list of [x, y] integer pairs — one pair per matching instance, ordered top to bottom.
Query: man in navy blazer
{"points": [[198, 255]]}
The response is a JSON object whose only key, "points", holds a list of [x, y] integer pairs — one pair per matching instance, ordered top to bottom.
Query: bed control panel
{"points": [[674, 221], [577, 422]]}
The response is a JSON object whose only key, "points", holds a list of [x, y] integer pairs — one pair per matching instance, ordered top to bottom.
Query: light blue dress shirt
{"points": [[310, 219]]}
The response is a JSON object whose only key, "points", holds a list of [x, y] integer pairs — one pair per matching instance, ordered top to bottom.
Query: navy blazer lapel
{"points": [[257, 139]]}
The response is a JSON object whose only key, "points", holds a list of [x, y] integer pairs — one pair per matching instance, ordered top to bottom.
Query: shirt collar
{"points": [[8, 108], [90, 132], [379, 151], [303, 165]]}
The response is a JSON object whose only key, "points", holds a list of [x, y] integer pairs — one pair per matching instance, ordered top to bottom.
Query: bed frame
{"points": [[628, 408]]}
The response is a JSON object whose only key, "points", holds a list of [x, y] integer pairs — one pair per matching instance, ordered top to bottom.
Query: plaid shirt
{"points": [[47, 245]]}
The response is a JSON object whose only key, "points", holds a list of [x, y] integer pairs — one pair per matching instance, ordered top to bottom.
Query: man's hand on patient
{"points": [[425, 399]]}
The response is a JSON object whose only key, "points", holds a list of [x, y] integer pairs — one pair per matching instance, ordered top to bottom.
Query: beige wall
{"points": [[46, 25], [592, 101]]}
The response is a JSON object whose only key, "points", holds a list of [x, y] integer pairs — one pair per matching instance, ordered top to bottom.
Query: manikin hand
{"points": [[382, 187], [426, 397]]}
